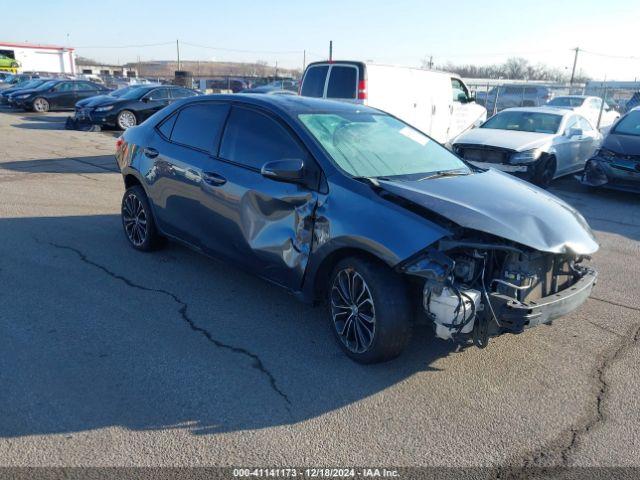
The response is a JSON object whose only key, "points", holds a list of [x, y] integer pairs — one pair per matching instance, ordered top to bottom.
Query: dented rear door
{"points": [[258, 223]]}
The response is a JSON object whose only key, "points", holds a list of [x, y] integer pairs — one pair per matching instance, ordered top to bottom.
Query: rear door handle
{"points": [[150, 152], [214, 179]]}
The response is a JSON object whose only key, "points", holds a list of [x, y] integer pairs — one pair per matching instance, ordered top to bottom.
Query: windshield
{"points": [[47, 85], [120, 92], [134, 93], [566, 102], [525, 122], [629, 124], [377, 145]]}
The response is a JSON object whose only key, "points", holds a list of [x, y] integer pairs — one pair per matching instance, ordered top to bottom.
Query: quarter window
{"points": [[313, 83], [199, 126], [252, 139]]}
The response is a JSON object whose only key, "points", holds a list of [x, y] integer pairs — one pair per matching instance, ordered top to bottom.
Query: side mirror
{"points": [[462, 98], [145, 99], [575, 132], [285, 170]]}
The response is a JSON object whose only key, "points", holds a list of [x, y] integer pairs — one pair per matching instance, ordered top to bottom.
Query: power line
{"points": [[128, 46], [235, 50], [624, 57]]}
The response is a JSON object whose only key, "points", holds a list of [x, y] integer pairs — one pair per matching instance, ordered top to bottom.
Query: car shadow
{"points": [[41, 122], [88, 164], [606, 210], [96, 335]]}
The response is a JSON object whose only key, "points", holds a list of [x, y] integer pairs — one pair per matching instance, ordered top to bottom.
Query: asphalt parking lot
{"points": [[113, 357]]}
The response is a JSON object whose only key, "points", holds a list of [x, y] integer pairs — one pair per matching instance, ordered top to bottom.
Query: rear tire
{"points": [[41, 105], [545, 173], [137, 220], [370, 311]]}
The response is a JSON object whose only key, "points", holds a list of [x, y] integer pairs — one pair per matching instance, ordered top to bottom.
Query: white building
{"points": [[41, 58]]}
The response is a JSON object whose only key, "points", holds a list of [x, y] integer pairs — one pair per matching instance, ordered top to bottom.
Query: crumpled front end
{"points": [[609, 170], [478, 287]]}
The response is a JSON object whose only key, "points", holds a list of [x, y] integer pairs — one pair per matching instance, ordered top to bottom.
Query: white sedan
{"points": [[588, 107], [535, 143]]}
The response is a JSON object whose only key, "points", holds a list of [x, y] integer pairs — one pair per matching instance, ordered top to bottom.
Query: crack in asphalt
{"points": [[615, 304], [257, 363], [567, 440]]}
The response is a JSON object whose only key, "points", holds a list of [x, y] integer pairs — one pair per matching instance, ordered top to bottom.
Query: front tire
{"points": [[41, 105], [126, 119], [546, 172], [137, 220], [370, 311]]}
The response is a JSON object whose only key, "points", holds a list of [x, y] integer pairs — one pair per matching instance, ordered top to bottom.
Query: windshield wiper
{"points": [[444, 173]]}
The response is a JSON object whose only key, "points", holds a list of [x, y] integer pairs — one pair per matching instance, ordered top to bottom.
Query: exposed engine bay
{"points": [[476, 289]]}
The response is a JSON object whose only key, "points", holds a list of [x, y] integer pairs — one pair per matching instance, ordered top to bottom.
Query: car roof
{"points": [[289, 104], [543, 109]]}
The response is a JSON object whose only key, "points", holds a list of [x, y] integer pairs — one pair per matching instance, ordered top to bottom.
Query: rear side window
{"points": [[343, 82], [313, 83], [199, 126], [252, 139]]}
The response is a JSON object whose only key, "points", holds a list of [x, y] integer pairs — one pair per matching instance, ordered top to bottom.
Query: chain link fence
{"points": [[498, 95]]}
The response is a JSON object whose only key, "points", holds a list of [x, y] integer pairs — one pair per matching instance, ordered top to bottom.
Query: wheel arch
{"points": [[317, 280]]}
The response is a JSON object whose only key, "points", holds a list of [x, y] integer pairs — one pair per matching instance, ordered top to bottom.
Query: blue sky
{"points": [[390, 31]]}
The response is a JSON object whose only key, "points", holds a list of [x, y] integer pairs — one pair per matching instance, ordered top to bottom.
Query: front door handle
{"points": [[150, 152], [214, 179]]}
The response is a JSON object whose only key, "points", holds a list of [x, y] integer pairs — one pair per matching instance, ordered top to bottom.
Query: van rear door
{"points": [[338, 81]]}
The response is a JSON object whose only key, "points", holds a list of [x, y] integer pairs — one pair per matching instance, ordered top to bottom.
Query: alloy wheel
{"points": [[40, 105], [126, 120], [134, 218], [353, 311]]}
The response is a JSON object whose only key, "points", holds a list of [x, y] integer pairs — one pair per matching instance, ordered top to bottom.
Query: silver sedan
{"points": [[535, 143]]}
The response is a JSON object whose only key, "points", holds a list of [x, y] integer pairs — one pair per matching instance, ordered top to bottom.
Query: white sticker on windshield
{"points": [[415, 136]]}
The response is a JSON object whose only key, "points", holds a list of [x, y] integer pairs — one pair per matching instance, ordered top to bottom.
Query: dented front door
{"points": [[260, 224]]}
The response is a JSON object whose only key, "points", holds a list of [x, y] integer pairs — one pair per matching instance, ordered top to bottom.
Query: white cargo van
{"points": [[437, 103]]}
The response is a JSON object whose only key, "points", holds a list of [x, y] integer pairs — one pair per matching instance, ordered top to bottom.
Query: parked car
{"points": [[8, 62], [16, 78], [234, 84], [278, 87], [117, 93], [6, 94], [57, 95], [515, 95], [439, 104], [132, 107], [588, 107], [537, 143], [617, 163], [348, 204]]}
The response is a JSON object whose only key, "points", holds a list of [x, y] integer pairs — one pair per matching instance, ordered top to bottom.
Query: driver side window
{"points": [[64, 87], [460, 93], [158, 94], [572, 123]]}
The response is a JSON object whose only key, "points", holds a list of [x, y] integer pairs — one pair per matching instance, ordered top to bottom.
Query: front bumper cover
{"points": [[617, 173], [514, 316]]}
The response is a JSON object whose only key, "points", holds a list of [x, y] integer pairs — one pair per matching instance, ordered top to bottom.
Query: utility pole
{"points": [[178, 50], [330, 50], [304, 60], [430, 62], [575, 62], [276, 70]]}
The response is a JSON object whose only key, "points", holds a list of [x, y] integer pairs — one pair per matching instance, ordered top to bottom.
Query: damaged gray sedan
{"points": [[348, 206]]}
